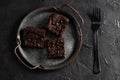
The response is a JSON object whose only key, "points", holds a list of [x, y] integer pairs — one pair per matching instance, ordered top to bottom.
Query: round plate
{"points": [[37, 58]]}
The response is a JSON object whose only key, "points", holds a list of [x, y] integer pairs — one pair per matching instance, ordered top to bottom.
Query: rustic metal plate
{"points": [[37, 58]]}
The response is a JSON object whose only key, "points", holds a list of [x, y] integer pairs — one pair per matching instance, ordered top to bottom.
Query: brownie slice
{"points": [[57, 24], [34, 37], [55, 48]]}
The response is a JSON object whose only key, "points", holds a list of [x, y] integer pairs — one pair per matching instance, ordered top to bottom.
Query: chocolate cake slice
{"points": [[57, 24], [34, 37], [55, 48]]}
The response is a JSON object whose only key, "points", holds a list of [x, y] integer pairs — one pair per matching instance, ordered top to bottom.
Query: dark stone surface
{"points": [[13, 11]]}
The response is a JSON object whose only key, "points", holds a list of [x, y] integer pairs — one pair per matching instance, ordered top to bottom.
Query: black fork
{"points": [[96, 19]]}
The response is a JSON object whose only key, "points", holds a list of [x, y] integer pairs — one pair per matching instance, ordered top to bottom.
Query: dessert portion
{"points": [[57, 24], [34, 37], [55, 48]]}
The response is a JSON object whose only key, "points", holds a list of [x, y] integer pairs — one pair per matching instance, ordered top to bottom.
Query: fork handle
{"points": [[96, 64]]}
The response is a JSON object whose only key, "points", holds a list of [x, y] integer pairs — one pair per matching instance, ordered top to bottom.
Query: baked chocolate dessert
{"points": [[57, 24], [34, 37], [55, 48]]}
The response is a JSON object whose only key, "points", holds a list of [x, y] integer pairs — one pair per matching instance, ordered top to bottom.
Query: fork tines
{"points": [[96, 15]]}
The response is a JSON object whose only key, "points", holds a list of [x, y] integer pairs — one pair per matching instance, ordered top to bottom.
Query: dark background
{"points": [[13, 11]]}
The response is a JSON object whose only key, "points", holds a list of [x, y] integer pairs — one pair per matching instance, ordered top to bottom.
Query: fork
{"points": [[96, 19]]}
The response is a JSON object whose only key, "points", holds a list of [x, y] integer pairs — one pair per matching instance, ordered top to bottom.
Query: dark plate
{"points": [[37, 58]]}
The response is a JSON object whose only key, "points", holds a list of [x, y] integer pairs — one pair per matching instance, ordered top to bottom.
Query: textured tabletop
{"points": [[13, 11]]}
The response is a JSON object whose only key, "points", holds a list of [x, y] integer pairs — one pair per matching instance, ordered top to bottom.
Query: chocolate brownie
{"points": [[57, 24], [34, 37], [55, 48]]}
